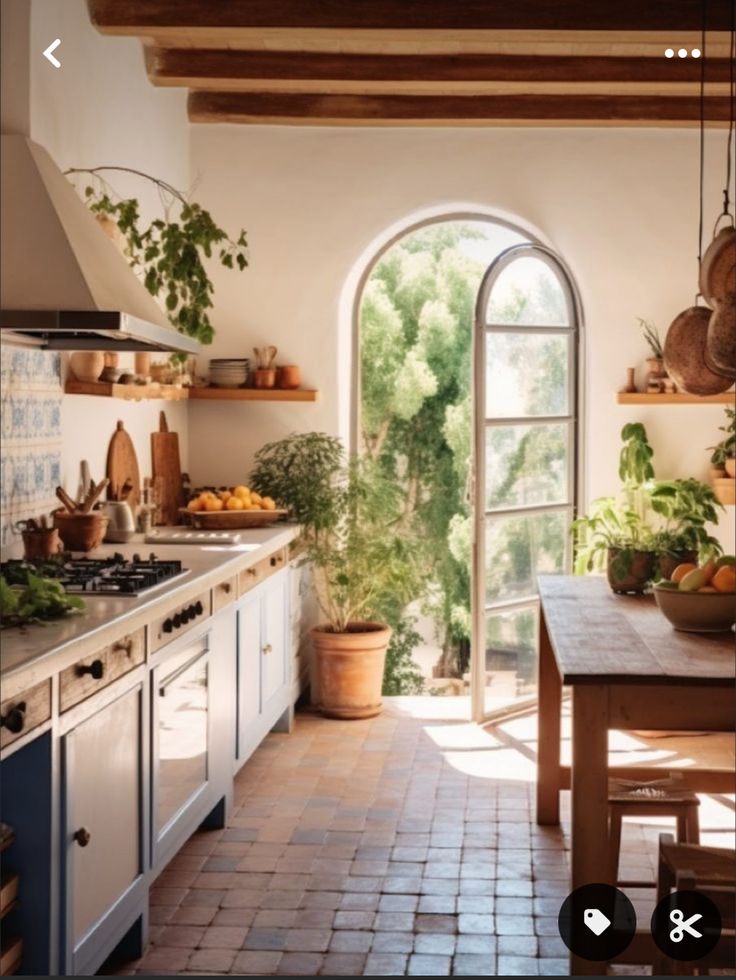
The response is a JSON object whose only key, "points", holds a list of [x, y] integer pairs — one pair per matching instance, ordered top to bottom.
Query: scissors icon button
{"points": [[683, 925]]}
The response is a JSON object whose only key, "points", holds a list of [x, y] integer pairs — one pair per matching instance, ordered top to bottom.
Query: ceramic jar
{"points": [[87, 365]]}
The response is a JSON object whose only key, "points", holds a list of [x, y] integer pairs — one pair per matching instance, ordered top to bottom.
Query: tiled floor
{"points": [[401, 845]]}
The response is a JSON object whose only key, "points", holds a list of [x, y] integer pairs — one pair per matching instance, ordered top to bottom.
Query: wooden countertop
{"points": [[599, 637]]}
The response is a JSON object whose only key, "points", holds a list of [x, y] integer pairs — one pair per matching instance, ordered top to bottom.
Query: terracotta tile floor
{"points": [[403, 845]]}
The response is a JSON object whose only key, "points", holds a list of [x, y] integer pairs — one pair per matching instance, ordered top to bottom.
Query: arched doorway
{"points": [[413, 415]]}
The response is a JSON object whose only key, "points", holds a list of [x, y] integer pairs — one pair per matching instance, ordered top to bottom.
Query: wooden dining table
{"points": [[626, 668]]}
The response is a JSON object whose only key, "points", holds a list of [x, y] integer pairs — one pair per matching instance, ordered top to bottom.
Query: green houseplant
{"points": [[169, 253], [723, 457], [650, 527], [362, 560]]}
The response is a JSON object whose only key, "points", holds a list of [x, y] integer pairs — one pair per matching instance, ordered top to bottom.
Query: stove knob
{"points": [[199, 608], [192, 611], [186, 615], [177, 620], [167, 626]]}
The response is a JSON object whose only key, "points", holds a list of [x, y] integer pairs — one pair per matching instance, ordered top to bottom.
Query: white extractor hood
{"points": [[64, 284]]}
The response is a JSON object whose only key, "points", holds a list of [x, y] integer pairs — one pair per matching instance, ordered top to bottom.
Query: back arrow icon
{"points": [[49, 53]]}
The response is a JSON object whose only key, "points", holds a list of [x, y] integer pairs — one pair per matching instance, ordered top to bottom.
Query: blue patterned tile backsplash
{"points": [[30, 423]]}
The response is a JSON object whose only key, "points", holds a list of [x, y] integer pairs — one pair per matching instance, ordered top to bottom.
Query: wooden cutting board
{"points": [[122, 466], [167, 472]]}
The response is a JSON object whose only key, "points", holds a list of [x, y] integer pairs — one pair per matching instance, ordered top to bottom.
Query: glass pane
{"points": [[528, 292], [526, 375], [526, 464], [519, 547], [511, 656]]}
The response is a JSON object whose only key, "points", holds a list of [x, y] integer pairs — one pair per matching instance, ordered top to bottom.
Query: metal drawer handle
{"points": [[124, 646], [268, 648], [96, 669], [15, 719], [82, 836]]}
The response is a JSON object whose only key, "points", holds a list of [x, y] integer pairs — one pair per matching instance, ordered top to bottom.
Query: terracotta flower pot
{"points": [[730, 466], [632, 572], [351, 669]]}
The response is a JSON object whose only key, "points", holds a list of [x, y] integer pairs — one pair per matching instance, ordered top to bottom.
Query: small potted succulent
{"points": [[656, 374], [615, 538], [360, 556]]}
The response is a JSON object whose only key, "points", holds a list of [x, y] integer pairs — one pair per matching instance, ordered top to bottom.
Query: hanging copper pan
{"points": [[718, 266], [720, 344], [684, 354]]}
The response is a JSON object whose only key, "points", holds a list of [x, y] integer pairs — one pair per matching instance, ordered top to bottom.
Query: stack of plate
{"points": [[229, 372]]}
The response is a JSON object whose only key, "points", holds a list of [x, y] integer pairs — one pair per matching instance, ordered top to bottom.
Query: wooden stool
{"points": [[662, 798], [712, 872]]}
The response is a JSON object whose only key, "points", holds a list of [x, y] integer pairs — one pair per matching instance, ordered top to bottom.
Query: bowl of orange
{"points": [[232, 509], [700, 598]]}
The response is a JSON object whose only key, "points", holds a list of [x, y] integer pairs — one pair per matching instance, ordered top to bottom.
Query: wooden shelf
{"points": [[128, 392], [254, 394], [643, 398]]}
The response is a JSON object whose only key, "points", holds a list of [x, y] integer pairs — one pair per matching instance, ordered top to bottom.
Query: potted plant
{"points": [[656, 373], [723, 461], [684, 507], [615, 537], [360, 556]]}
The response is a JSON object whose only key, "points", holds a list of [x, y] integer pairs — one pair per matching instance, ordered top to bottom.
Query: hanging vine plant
{"points": [[169, 252]]}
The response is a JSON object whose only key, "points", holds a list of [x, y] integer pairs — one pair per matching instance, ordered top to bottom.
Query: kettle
{"points": [[122, 522]]}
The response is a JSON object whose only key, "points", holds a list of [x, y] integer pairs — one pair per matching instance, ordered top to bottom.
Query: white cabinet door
{"points": [[274, 650], [249, 663], [103, 782]]}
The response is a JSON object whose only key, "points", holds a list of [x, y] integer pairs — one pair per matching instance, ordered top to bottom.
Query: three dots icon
{"points": [[682, 53]]}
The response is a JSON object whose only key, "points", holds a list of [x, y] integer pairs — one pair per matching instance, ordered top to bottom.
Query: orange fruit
{"points": [[213, 503], [234, 503], [268, 503], [194, 505], [709, 569], [681, 571], [725, 579], [708, 588]]}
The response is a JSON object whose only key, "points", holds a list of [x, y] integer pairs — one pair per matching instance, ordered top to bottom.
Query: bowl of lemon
{"points": [[230, 509]]}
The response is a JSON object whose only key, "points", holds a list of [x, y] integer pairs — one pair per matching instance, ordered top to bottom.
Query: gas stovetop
{"points": [[115, 575]]}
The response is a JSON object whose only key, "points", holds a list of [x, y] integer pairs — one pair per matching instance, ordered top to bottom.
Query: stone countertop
{"points": [[29, 655]]}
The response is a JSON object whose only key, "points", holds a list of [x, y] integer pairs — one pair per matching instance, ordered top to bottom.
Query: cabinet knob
{"points": [[226, 588], [124, 646], [268, 648], [96, 669], [15, 719], [82, 836]]}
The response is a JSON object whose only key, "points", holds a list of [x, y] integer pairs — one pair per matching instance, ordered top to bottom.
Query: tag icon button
{"points": [[596, 921]]}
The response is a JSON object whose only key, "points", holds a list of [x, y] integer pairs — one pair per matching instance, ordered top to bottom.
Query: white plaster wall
{"points": [[99, 109], [619, 205]]}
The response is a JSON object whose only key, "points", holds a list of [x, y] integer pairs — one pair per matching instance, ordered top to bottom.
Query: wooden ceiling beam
{"points": [[147, 16], [237, 70], [451, 110]]}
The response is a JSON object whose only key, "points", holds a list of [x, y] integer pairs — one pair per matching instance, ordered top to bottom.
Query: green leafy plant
{"points": [[169, 252], [651, 336], [726, 448], [635, 460], [685, 507], [610, 525], [362, 557], [35, 600], [401, 674]]}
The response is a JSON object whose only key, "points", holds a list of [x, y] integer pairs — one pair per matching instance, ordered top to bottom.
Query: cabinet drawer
{"points": [[250, 577], [224, 593], [92, 673], [26, 711]]}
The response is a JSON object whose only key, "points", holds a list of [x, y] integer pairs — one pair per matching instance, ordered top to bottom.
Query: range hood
{"points": [[64, 284]]}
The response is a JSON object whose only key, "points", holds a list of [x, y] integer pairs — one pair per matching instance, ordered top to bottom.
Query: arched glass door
{"points": [[525, 412]]}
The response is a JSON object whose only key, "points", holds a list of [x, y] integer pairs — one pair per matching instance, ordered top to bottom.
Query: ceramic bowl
{"points": [[697, 612]]}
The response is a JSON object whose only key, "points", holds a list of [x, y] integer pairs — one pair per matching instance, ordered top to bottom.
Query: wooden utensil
{"points": [[684, 354], [122, 465], [167, 471], [93, 495], [66, 499]]}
